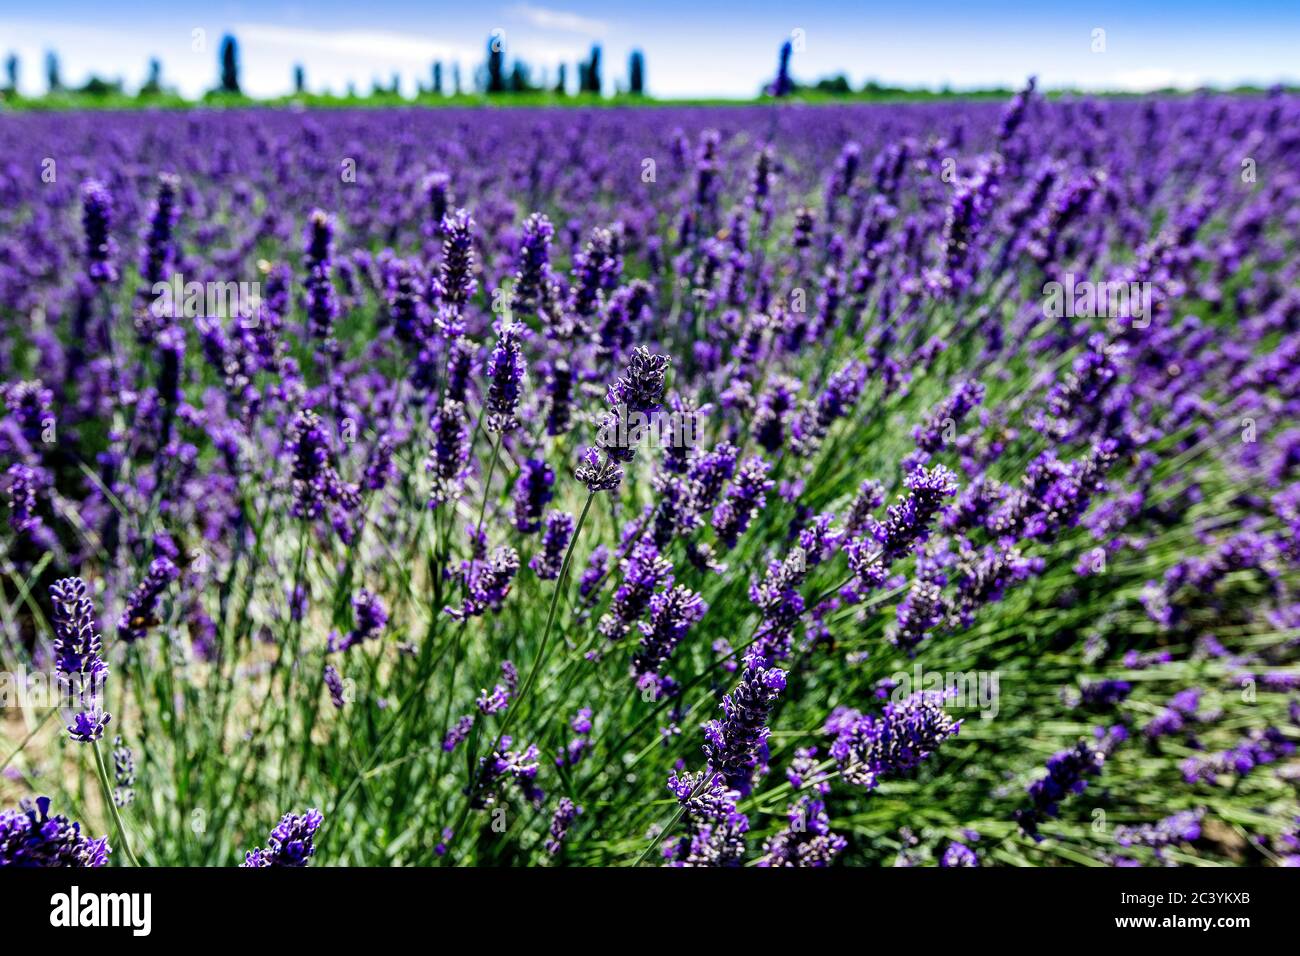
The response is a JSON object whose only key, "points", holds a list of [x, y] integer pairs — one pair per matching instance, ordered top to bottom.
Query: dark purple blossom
{"points": [[97, 221], [533, 274], [456, 282], [320, 300], [505, 372], [448, 459], [533, 489], [745, 496], [549, 561], [644, 571], [487, 582], [141, 609], [672, 613], [370, 616], [78, 657], [334, 684], [458, 732], [732, 743], [869, 748], [1258, 748], [520, 766], [1067, 773], [565, 812], [715, 828], [29, 837], [807, 840], [290, 843], [958, 854]]}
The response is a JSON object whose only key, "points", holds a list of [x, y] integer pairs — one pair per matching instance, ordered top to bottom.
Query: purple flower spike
{"points": [[96, 220], [505, 372], [548, 562], [141, 609], [732, 743], [871, 748], [30, 837], [290, 843]]}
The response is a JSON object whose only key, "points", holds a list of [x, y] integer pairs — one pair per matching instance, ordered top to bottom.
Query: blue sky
{"points": [[696, 48]]}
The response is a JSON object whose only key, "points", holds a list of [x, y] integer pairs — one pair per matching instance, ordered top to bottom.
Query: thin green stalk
{"points": [[540, 661], [112, 804]]}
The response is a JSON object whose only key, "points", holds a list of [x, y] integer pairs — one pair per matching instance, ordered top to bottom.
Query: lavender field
{"points": [[773, 485]]}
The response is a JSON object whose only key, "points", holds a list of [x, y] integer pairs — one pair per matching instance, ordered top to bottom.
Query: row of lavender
{"points": [[459, 478]]}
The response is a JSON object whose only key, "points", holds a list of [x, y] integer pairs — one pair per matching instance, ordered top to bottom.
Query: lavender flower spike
{"points": [[97, 219], [505, 372], [744, 497], [906, 524], [548, 562], [141, 609], [671, 615], [78, 657], [732, 743], [870, 748], [1067, 773], [565, 811], [30, 837], [290, 843]]}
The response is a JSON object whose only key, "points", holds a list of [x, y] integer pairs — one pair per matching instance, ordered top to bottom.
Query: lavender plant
{"points": [[770, 477]]}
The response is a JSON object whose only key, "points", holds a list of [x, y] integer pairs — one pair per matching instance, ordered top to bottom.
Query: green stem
{"points": [[540, 661], [112, 804]]}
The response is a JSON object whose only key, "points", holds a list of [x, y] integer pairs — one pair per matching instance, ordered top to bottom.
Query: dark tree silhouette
{"points": [[496, 58], [229, 65], [11, 72], [52, 72], [636, 74], [437, 78], [299, 79], [455, 79], [520, 81], [562, 81], [153, 82], [592, 83], [783, 85]]}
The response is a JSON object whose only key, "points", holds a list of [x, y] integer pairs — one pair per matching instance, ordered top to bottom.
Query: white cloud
{"points": [[547, 19], [359, 43]]}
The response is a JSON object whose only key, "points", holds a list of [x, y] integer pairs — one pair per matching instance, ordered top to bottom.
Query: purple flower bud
{"points": [[97, 220], [534, 264], [456, 282], [319, 298], [505, 372], [533, 489], [745, 496], [548, 562], [644, 571], [487, 581], [141, 608], [672, 613], [78, 656], [334, 683], [732, 743], [871, 748], [1067, 773], [565, 811], [31, 837], [290, 843]]}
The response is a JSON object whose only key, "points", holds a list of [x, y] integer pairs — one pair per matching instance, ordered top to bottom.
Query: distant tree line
{"points": [[496, 76]]}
